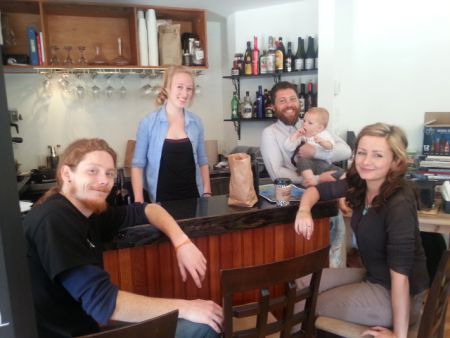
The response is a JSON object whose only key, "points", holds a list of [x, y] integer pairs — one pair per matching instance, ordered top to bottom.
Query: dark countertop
{"points": [[212, 216]]}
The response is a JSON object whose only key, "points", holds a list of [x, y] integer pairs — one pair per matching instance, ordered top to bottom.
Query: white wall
{"points": [[288, 21], [391, 61], [62, 118]]}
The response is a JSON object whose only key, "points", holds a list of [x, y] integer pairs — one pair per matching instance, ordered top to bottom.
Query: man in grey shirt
{"points": [[278, 161]]}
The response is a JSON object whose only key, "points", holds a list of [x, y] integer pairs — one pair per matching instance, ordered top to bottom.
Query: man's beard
{"points": [[290, 121], [97, 206]]}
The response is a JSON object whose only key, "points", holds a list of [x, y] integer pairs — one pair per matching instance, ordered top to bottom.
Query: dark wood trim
{"points": [[16, 305]]}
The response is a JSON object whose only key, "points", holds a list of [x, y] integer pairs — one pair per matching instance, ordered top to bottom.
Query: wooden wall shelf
{"points": [[86, 24]]}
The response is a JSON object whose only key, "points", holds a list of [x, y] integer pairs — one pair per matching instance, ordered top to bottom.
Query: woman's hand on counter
{"points": [[304, 224], [191, 259]]}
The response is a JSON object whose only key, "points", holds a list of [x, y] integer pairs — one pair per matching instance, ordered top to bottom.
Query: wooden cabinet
{"points": [[85, 24]]}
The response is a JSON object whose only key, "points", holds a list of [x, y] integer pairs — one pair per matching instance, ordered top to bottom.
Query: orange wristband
{"points": [[186, 241]]}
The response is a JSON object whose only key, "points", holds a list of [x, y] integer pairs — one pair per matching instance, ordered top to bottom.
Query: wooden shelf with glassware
{"points": [[100, 33]]}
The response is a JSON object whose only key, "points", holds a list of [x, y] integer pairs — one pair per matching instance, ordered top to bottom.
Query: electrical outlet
{"points": [[14, 115]]}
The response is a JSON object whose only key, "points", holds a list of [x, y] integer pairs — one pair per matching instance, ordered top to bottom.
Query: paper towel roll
{"points": [[152, 32], [143, 41], [212, 152]]}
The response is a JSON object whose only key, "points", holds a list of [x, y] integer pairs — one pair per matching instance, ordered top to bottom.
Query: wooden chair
{"points": [[261, 277], [430, 325], [163, 326]]}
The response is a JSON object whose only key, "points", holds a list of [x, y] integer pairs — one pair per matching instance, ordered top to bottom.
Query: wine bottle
{"points": [[310, 54], [270, 56], [279, 56], [255, 57], [248, 59], [288, 59], [299, 59], [316, 60], [309, 97], [302, 100], [234, 106]]}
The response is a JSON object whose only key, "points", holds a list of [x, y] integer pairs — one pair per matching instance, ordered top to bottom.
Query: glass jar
{"points": [[282, 191]]}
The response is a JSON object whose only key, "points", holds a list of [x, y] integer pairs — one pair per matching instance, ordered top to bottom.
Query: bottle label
{"points": [[199, 55], [278, 60], [270, 63], [309, 63], [299, 64], [263, 65], [288, 65], [248, 69], [301, 102], [248, 111], [268, 112]]}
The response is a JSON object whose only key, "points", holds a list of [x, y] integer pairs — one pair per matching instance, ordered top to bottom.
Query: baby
{"points": [[313, 132]]}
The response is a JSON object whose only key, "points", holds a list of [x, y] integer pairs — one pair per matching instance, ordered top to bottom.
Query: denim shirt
{"points": [[152, 132]]}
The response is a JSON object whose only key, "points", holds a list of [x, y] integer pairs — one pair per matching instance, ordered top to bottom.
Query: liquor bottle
{"points": [[310, 54], [199, 55], [270, 56], [279, 56], [255, 57], [263, 58], [288, 59], [299, 59], [248, 60], [235, 68], [302, 100], [259, 103], [255, 106], [268, 106], [234, 107], [247, 107]]}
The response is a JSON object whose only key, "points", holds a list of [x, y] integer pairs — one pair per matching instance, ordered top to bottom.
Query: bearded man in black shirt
{"points": [[65, 232]]}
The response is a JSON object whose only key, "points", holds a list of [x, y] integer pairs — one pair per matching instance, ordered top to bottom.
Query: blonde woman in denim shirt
{"points": [[169, 159]]}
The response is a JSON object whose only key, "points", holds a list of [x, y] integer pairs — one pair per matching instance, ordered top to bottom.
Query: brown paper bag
{"points": [[169, 45], [242, 192]]}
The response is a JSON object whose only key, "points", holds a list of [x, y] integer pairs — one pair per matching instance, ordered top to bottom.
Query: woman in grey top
{"points": [[389, 291]]}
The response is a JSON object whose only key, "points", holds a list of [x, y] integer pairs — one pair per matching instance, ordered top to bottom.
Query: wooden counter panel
{"points": [[153, 270]]}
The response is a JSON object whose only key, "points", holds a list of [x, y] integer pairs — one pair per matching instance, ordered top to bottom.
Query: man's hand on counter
{"points": [[190, 258]]}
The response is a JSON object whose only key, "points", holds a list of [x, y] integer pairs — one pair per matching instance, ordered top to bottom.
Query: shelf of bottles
{"points": [[274, 62]]}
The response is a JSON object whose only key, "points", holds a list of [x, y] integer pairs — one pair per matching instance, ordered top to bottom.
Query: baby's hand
{"points": [[301, 132], [318, 139]]}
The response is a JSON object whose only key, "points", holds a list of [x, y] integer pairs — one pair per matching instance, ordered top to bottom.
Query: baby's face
{"points": [[312, 125]]}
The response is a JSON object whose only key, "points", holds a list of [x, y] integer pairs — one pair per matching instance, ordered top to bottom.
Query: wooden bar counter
{"points": [[142, 260]]}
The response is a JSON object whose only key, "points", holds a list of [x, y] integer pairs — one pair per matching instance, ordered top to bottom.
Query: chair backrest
{"points": [[263, 277], [434, 312], [163, 326]]}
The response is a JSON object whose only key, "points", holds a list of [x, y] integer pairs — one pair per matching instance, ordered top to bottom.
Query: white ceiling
{"points": [[219, 7]]}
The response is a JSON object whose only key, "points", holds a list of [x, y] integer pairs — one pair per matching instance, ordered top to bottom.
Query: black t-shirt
{"points": [[176, 179], [60, 238], [387, 239]]}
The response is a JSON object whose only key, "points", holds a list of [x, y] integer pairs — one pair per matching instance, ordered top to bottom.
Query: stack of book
{"points": [[36, 46], [435, 168]]}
